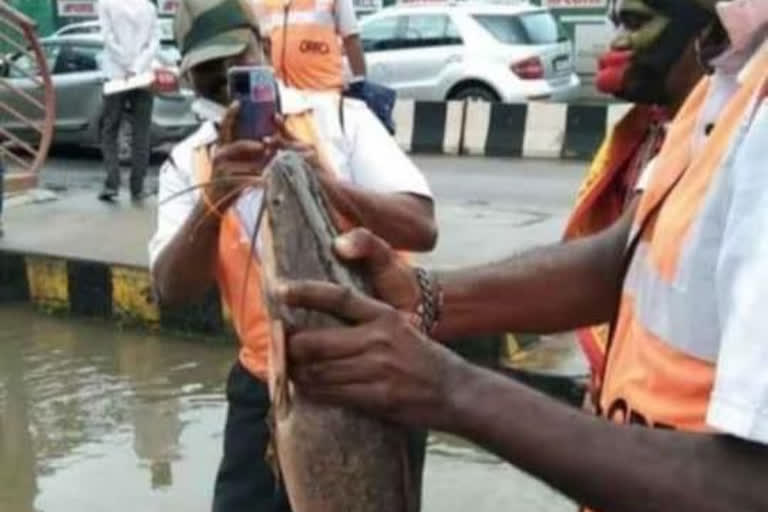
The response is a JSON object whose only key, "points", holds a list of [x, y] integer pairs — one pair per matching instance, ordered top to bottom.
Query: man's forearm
{"points": [[355, 55], [405, 221], [185, 270], [551, 289], [604, 466]]}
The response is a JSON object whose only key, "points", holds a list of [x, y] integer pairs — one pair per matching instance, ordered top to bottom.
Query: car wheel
{"points": [[474, 93]]}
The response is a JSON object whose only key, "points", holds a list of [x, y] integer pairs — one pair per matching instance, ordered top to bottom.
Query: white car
{"points": [[476, 51]]}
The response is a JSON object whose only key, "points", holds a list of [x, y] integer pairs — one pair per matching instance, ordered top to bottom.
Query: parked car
{"points": [[474, 50], [76, 64]]}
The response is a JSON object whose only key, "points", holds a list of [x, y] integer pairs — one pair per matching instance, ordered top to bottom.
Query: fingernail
{"points": [[343, 244]]}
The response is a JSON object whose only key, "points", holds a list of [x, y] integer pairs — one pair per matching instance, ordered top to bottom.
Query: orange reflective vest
{"points": [[306, 48], [602, 199], [251, 322], [659, 372]]}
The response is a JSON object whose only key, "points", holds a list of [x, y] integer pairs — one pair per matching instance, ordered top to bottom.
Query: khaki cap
{"points": [[212, 29]]}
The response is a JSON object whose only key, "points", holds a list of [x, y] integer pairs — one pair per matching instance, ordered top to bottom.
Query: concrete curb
{"points": [[527, 130], [118, 293], [122, 294]]}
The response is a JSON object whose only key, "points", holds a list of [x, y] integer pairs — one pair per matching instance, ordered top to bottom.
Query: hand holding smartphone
{"points": [[255, 88]]}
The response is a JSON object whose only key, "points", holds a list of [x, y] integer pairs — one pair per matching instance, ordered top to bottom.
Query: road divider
{"points": [[524, 130], [118, 293]]}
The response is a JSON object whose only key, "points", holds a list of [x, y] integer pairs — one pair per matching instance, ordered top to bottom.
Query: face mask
{"points": [[642, 57], [612, 66], [208, 110]]}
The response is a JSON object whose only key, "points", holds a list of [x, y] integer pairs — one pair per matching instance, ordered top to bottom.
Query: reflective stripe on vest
{"points": [[276, 20], [306, 50], [600, 203], [251, 322], [661, 366]]}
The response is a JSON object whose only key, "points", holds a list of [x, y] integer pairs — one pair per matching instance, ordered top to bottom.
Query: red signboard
{"points": [[574, 4], [167, 6], [77, 8], [87, 8]]}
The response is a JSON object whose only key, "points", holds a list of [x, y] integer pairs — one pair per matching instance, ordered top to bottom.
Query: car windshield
{"points": [[532, 28], [79, 29], [25, 65]]}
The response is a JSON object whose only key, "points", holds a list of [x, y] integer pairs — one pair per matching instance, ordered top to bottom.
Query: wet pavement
{"points": [[486, 208], [93, 419]]}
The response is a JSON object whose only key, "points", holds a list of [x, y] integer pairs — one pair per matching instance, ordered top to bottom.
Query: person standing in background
{"points": [[129, 28], [307, 41], [2, 191]]}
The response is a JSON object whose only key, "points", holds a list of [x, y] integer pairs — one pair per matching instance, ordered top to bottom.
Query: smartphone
{"points": [[255, 88]]}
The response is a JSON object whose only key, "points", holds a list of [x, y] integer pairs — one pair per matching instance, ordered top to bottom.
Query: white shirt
{"points": [[344, 17], [129, 29], [363, 153], [646, 175], [739, 204]]}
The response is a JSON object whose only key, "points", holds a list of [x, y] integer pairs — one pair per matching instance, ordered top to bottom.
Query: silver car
{"points": [[470, 50], [76, 63]]}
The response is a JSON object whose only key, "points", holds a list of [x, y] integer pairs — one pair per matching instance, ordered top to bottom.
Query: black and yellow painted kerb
{"points": [[119, 293], [123, 295]]}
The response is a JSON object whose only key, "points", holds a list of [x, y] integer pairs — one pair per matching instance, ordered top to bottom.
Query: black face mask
{"points": [[210, 80], [645, 80]]}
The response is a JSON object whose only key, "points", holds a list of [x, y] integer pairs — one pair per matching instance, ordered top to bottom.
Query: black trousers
{"points": [[141, 102], [2, 187], [245, 481]]}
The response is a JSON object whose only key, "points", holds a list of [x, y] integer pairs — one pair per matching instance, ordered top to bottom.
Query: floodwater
{"points": [[93, 419]]}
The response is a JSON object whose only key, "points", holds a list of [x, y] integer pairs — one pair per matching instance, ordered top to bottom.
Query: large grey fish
{"points": [[332, 459]]}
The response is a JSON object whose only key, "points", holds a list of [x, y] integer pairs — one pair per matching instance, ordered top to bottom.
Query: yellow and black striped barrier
{"points": [[92, 289], [122, 294]]}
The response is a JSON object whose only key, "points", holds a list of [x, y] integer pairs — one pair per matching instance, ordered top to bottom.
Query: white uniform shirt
{"points": [[344, 16], [129, 29], [362, 152], [739, 202], [713, 309]]}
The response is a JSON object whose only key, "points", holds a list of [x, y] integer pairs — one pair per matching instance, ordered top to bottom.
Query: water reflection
{"points": [[71, 394], [93, 419], [18, 485]]}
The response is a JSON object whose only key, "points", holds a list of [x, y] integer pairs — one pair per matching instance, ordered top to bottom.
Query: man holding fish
{"points": [[210, 210], [682, 278]]}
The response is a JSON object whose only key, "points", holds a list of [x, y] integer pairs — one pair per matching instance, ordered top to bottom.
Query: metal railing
{"points": [[27, 99]]}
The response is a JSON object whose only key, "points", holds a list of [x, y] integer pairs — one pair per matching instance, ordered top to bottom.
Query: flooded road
{"points": [[93, 419]]}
